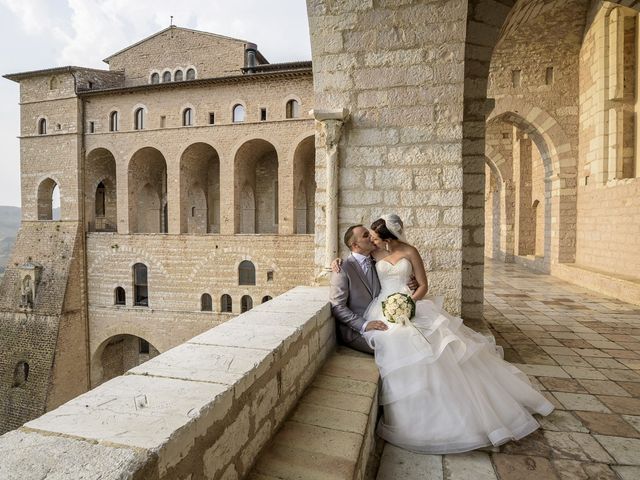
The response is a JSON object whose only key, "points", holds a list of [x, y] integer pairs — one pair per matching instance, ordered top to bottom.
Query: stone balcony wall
{"points": [[203, 409]]}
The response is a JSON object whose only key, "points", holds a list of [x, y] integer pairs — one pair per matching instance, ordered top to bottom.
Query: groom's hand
{"points": [[413, 284], [376, 325]]}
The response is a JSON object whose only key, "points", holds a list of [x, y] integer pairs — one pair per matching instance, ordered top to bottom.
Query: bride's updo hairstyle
{"points": [[380, 227], [389, 227]]}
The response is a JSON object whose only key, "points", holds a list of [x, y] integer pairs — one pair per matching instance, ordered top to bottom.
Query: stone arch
{"points": [[256, 166], [147, 174], [560, 181], [304, 182], [200, 188], [45, 196], [101, 207], [119, 353]]}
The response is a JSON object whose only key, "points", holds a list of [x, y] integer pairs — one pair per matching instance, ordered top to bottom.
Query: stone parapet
{"points": [[204, 409]]}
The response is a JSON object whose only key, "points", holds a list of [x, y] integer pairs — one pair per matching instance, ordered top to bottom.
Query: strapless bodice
{"points": [[393, 278]]}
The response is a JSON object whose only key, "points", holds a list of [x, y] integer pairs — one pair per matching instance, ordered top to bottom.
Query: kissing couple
{"points": [[445, 388]]}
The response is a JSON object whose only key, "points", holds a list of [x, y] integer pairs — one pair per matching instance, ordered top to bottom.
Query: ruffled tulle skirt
{"points": [[446, 389]]}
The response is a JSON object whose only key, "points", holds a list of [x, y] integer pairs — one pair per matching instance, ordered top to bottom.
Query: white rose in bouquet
{"points": [[399, 308]]}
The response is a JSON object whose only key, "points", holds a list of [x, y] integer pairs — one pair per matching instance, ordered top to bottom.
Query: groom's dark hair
{"points": [[348, 235]]}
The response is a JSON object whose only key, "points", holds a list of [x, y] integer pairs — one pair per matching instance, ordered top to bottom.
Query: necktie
{"points": [[368, 270]]}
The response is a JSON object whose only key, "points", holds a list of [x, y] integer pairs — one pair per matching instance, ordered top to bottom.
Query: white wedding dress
{"points": [[445, 387]]}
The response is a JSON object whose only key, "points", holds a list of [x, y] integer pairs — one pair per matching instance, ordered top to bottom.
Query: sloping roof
{"points": [[106, 60], [16, 77]]}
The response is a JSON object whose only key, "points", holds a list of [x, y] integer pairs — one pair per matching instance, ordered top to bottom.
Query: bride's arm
{"points": [[420, 274]]}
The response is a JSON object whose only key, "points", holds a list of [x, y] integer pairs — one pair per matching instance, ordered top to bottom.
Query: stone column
{"points": [[329, 128]]}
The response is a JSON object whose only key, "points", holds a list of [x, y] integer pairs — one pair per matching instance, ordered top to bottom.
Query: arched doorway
{"points": [[147, 192], [117, 355]]}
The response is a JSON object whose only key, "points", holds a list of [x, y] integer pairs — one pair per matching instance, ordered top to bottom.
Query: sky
{"points": [[38, 34]]}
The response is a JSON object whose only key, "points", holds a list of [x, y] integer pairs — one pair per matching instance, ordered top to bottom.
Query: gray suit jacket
{"points": [[350, 296]]}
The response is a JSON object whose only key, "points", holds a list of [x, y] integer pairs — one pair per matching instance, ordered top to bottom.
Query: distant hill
{"points": [[9, 224]]}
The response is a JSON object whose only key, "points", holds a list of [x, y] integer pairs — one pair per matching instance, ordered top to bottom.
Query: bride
{"points": [[445, 388]]}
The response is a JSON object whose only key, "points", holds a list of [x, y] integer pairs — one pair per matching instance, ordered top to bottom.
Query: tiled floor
{"points": [[583, 351]]}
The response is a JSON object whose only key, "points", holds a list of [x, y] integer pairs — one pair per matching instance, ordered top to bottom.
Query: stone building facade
{"points": [[503, 128], [186, 180]]}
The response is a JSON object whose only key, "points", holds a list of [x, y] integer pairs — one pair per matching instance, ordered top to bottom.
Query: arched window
{"points": [[191, 74], [166, 77], [177, 77], [155, 78], [293, 109], [238, 113], [187, 117], [138, 121], [114, 122], [42, 126], [48, 200], [100, 200], [246, 273], [140, 287], [120, 296], [266, 298], [226, 303], [246, 303], [206, 304], [20, 374]]}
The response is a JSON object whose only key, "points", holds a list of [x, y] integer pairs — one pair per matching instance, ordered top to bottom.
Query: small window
{"points": [[191, 74], [178, 76], [549, 76], [166, 77], [155, 78], [516, 78], [90, 85], [293, 109], [238, 113], [263, 114], [187, 117], [212, 118], [138, 121], [163, 121], [114, 122], [42, 126], [92, 127], [193, 211], [246, 273], [270, 276], [141, 289], [120, 296], [266, 298], [226, 303], [246, 303], [206, 304], [143, 346], [20, 374]]}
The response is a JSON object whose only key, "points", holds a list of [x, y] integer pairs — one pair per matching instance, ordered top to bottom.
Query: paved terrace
{"points": [[583, 351]]}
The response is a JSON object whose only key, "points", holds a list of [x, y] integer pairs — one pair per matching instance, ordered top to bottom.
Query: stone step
{"points": [[330, 433]]}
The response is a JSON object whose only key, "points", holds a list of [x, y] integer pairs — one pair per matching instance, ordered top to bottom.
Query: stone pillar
{"points": [[329, 128], [522, 158]]}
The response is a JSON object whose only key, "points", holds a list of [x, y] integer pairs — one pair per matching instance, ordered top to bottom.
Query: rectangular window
{"points": [[549, 76], [516, 78], [263, 114], [212, 118], [163, 121], [92, 127], [270, 276], [144, 346]]}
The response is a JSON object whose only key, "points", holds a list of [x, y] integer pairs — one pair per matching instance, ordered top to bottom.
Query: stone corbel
{"points": [[329, 125]]}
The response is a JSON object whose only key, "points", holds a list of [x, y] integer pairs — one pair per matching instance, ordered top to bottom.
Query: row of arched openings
{"points": [[178, 76], [237, 116], [256, 190], [226, 303]]}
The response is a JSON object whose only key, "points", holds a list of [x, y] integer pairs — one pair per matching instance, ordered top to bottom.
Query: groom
{"points": [[353, 289]]}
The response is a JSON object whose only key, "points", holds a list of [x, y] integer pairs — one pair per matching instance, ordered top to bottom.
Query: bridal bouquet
{"points": [[399, 308]]}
